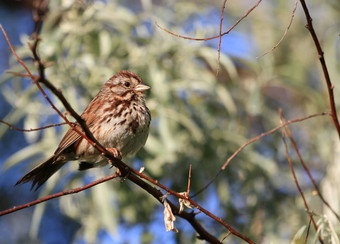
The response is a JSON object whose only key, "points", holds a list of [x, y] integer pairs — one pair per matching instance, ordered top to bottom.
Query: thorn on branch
{"points": [[141, 170], [189, 180], [163, 198], [229, 233]]}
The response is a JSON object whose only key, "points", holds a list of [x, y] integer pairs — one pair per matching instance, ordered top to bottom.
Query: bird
{"points": [[118, 118]]}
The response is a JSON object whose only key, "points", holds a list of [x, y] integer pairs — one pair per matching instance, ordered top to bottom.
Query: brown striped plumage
{"points": [[118, 118]]}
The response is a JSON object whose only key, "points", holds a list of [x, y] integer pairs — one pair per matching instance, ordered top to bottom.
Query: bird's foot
{"points": [[116, 153]]}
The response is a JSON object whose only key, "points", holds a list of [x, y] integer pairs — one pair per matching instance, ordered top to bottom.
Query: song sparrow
{"points": [[118, 119]]}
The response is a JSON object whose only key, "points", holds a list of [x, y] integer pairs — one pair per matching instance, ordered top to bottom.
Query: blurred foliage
{"points": [[198, 118]]}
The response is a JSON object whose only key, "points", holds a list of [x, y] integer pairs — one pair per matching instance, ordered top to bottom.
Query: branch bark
{"points": [[322, 60]]}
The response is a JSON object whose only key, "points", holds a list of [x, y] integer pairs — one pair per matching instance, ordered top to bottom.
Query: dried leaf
{"points": [[184, 202], [169, 217]]}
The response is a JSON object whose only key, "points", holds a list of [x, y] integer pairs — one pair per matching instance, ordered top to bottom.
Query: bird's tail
{"points": [[42, 172]]}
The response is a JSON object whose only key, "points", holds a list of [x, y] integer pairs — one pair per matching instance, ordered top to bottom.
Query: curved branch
{"points": [[284, 34], [213, 37], [253, 140]]}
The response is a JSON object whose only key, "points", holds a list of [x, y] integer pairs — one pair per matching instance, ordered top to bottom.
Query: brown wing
{"points": [[71, 136], [69, 139]]}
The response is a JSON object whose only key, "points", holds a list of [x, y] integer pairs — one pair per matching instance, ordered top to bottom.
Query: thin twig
{"points": [[285, 33], [213, 37], [220, 38], [322, 60], [22, 75], [34, 78], [282, 121], [30, 130], [269, 132], [253, 140], [304, 165], [189, 180], [59, 194], [308, 228], [225, 236]]}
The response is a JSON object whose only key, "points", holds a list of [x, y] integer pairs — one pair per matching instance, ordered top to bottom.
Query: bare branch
{"points": [[284, 34], [213, 37], [220, 38], [35, 80], [330, 86], [282, 120], [30, 130], [253, 140], [304, 165], [189, 180], [64, 193], [308, 229], [228, 234]]}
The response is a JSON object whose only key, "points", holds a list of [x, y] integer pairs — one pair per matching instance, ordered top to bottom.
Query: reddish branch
{"points": [[39, 12], [285, 33], [213, 37], [220, 37], [37, 80], [330, 86], [282, 120], [30, 130], [253, 140], [304, 165], [133, 178], [189, 180], [64, 193], [308, 229]]}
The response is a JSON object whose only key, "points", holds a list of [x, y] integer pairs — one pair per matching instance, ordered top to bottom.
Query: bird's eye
{"points": [[127, 84]]}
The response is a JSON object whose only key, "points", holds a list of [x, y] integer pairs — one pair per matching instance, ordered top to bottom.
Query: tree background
{"points": [[198, 118]]}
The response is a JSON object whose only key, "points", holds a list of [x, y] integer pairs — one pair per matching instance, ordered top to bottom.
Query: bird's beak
{"points": [[142, 87]]}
